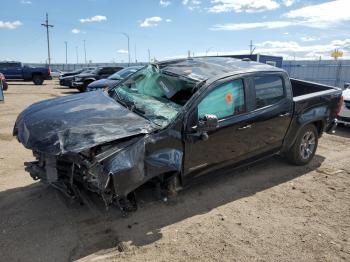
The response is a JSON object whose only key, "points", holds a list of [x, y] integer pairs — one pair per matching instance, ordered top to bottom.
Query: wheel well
{"points": [[37, 74], [88, 81], [319, 127]]}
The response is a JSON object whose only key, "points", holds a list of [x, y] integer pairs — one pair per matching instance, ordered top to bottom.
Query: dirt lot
{"points": [[270, 212]]}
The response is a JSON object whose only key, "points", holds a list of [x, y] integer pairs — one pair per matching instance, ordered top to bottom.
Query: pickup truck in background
{"points": [[17, 71], [172, 122]]}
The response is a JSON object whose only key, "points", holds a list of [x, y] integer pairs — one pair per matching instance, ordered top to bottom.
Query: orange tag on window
{"points": [[229, 98]]}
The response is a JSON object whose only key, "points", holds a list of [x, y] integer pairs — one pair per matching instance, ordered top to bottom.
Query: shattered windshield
{"points": [[154, 94]]}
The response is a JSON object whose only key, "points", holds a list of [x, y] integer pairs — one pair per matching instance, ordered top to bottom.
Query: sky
{"points": [[294, 29]]}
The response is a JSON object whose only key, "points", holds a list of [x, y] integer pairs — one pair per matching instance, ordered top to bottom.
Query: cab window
{"points": [[269, 90], [224, 101]]}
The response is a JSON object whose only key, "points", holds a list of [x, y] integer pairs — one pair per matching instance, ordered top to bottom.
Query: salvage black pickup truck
{"points": [[172, 122]]}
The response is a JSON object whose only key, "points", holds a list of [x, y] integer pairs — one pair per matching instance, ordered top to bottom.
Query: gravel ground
{"points": [[269, 212]]}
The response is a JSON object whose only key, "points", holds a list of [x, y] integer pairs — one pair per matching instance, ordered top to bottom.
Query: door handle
{"points": [[284, 114], [245, 127]]}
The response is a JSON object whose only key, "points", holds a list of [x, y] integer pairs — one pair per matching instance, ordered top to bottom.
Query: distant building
{"points": [[266, 59]]}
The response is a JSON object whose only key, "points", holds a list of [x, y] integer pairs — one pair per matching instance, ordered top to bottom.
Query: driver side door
{"points": [[231, 141]]}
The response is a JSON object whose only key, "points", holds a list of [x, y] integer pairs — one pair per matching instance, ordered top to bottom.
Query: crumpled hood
{"points": [[102, 83], [77, 122]]}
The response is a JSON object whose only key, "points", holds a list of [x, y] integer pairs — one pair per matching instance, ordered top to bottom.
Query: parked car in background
{"points": [[16, 71], [78, 71], [56, 73], [67, 78], [113, 79], [82, 80], [4, 83], [2, 98], [344, 114], [173, 122]]}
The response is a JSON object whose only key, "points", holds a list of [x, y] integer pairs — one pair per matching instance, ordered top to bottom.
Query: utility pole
{"points": [[47, 25], [127, 36], [66, 43], [251, 47], [207, 50], [76, 52], [84, 52], [135, 53], [149, 55]]}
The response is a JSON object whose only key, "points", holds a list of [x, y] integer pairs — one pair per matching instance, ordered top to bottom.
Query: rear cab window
{"points": [[269, 90], [226, 100]]}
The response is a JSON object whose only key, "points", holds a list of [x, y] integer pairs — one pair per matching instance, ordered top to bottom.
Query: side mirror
{"points": [[1, 92], [207, 123]]}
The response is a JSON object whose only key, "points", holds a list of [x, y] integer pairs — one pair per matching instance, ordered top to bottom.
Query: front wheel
{"points": [[304, 147]]}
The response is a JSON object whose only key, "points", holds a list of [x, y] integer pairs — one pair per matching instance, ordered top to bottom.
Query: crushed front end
{"points": [[113, 170]]}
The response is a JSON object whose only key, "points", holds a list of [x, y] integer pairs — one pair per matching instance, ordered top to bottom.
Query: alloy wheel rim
{"points": [[307, 145]]}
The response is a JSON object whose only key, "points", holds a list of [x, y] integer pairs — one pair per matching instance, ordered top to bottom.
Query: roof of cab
{"points": [[204, 68]]}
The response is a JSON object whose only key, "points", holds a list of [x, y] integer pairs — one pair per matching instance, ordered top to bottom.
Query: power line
{"points": [[47, 25]]}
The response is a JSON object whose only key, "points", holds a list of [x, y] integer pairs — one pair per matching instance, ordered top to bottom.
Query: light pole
{"points": [[127, 36], [66, 43], [207, 50], [76, 52], [84, 52], [135, 53], [149, 55]]}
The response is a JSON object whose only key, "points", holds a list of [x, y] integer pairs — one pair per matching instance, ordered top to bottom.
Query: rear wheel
{"points": [[38, 79], [304, 147]]}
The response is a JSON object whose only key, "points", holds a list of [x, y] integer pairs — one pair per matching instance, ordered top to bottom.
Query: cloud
{"points": [[26, 2], [288, 2], [164, 3], [192, 4], [238, 6], [322, 15], [315, 16], [96, 18], [168, 20], [151, 21], [10, 25], [245, 26], [75, 31], [309, 38], [292, 48], [288, 50], [122, 51]]}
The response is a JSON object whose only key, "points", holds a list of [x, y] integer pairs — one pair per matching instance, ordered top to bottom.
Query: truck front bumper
{"points": [[78, 84]]}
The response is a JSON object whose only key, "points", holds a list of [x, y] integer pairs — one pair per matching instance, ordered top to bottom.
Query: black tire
{"points": [[38, 80], [84, 87], [81, 89], [304, 147]]}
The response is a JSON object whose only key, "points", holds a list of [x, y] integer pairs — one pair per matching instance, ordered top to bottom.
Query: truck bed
{"points": [[305, 89]]}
